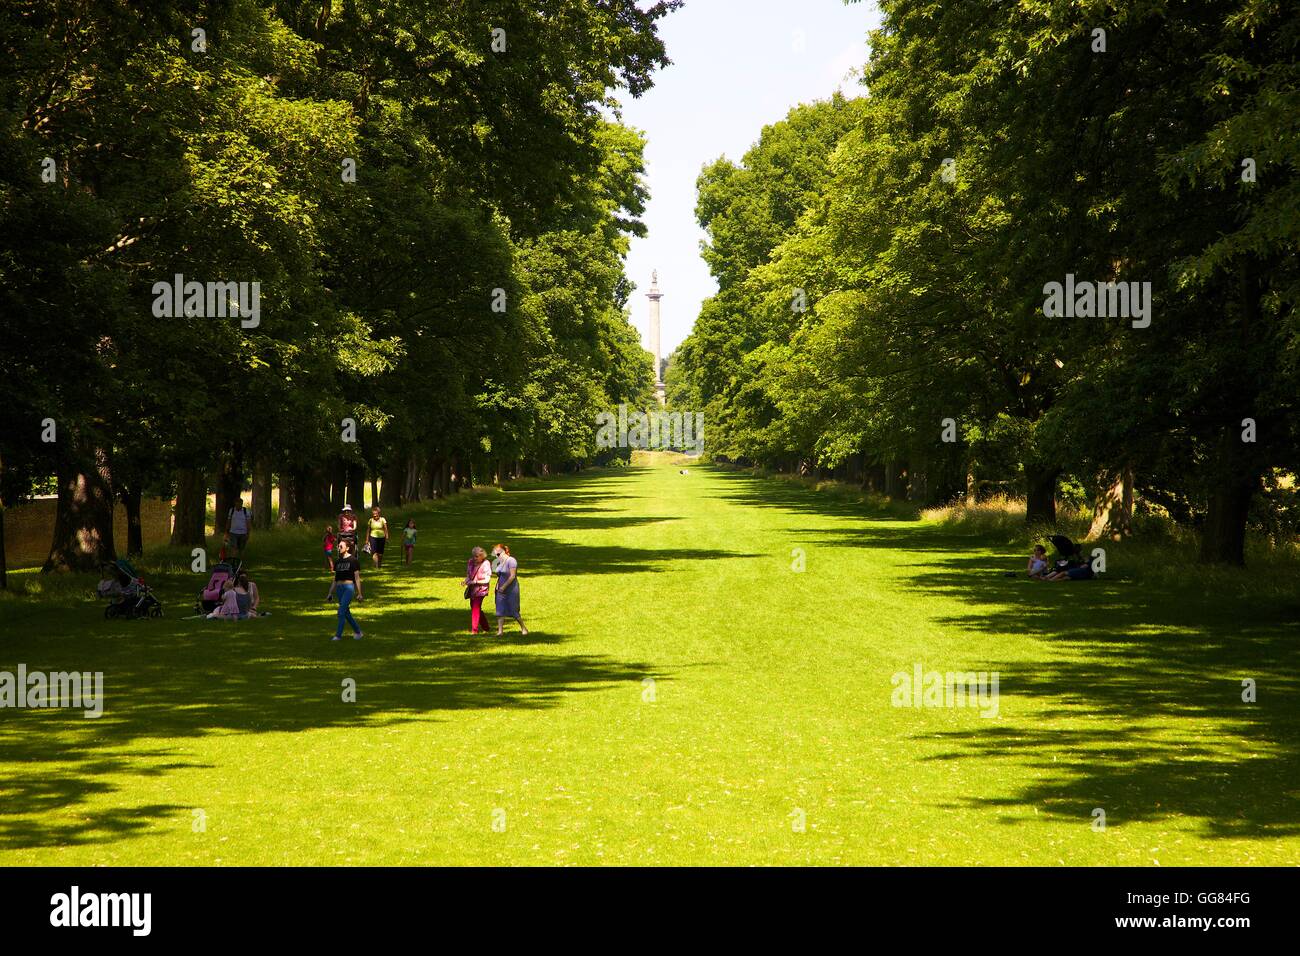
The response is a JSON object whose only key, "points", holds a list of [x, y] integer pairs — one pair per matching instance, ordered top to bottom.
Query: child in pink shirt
{"points": [[329, 547]]}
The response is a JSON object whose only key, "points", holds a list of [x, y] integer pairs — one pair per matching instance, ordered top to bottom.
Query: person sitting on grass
{"points": [[1037, 568], [1081, 572], [250, 590], [239, 600], [227, 608]]}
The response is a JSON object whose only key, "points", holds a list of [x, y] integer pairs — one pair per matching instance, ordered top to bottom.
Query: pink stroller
{"points": [[210, 596]]}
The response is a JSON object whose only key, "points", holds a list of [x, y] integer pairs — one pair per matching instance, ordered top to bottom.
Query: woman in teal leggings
{"points": [[347, 585]]}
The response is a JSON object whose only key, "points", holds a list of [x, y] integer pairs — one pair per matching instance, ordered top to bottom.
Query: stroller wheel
{"points": [[156, 611]]}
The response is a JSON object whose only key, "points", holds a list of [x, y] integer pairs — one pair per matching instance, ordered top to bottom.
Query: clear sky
{"points": [[738, 65]]}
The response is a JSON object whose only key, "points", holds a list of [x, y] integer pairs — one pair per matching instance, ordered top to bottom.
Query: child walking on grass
{"points": [[408, 539], [328, 544]]}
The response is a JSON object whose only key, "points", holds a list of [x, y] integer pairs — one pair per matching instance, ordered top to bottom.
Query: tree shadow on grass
{"points": [[761, 492], [1153, 671], [242, 677], [1158, 679], [180, 680], [39, 804]]}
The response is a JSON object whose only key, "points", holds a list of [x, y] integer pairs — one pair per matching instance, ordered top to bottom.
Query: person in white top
{"points": [[238, 526]]}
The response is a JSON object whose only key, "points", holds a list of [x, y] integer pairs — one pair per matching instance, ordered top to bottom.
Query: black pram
{"points": [[1070, 559], [132, 598]]}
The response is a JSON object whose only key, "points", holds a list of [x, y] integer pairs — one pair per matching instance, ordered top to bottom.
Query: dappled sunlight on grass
{"points": [[708, 653]]}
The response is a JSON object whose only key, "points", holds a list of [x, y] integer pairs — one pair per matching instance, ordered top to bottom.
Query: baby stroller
{"points": [[347, 517], [1069, 557], [210, 596], [131, 597]]}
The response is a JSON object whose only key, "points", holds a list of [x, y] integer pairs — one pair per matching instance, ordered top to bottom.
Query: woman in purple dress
{"points": [[507, 588]]}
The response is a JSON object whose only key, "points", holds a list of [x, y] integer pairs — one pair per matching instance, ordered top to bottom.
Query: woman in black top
{"points": [[347, 585]]}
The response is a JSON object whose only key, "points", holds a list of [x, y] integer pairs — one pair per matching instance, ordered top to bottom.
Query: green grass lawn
{"points": [[770, 703]]}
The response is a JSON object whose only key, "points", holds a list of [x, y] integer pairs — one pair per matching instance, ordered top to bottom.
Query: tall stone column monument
{"points": [[654, 295]]}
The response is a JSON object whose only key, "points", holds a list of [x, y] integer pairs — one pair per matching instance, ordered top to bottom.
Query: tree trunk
{"points": [[1235, 473], [895, 475], [429, 478], [873, 478], [446, 482], [262, 484], [972, 485], [1232, 485], [230, 487], [357, 487], [293, 488], [411, 488], [317, 489], [374, 490], [390, 492], [338, 496], [1040, 496], [1112, 512], [83, 521], [189, 521], [134, 528], [1223, 536], [4, 566]]}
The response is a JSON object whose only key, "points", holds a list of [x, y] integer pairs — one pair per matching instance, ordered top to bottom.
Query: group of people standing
{"points": [[342, 557], [478, 581]]}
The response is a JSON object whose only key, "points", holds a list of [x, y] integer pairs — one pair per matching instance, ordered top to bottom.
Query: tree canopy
{"points": [[430, 203], [884, 264]]}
